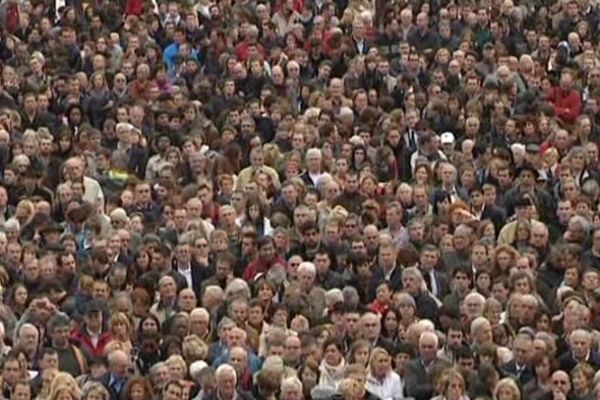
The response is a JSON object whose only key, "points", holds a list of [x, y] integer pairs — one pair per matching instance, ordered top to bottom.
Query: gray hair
{"points": [[308, 267], [414, 272], [237, 287], [225, 369], [291, 383]]}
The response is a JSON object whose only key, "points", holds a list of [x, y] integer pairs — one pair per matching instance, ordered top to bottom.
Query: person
{"points": [[382, 380], [419, 382]]}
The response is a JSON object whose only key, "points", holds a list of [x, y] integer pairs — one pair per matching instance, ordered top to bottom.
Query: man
{"points": [[565, 100], [314, 167], [351, 199], [393, 218], [461, 256], [591, 257], [265, 260], [189, 268], [386, 271], [326, 278], [436, 281], [412, 283], [166, 307], [370, 327], [91, 337], [455, 339], [580, 351], [70, 358], [520, 367], [11, 373], [116, 377], [226, 382], [419, 382], [173, 390]]}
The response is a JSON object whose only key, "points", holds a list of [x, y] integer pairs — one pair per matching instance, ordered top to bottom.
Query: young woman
{"points": [[382, 380]]}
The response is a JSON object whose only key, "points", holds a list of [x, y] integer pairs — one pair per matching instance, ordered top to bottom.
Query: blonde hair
{"points": [[120, 317], [194, 348], [377, 351], [177, 359], [446, 378], [64, 380], [509, 383], [96, 388], [61, 389]]}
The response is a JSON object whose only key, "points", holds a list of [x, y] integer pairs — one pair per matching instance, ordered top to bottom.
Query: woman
{"points": [[98, 100], [423, 175], [255, 213], [503, 259], [141, 262], [483, 282], [17, 299], [407, 308], [390, 321], [149, 325], [120, 329], [359, 353], [332, 365], [177, 367], [543, 367], [309, 375], [582, 377], [64, 380], [382, 381], [451, 386], [137, 388], [507, 389], [94, 391], [64, 392]]}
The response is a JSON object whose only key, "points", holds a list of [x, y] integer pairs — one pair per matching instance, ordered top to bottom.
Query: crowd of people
{"points": [[300, 200]]}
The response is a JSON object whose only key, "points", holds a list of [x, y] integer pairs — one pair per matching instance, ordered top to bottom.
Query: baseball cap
{"points": [[447, 138]]}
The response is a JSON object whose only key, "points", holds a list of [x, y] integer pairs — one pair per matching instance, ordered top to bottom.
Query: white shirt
{"points": [[187, 274], [391, 388]]}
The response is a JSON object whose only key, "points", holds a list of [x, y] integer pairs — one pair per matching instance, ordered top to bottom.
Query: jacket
{"points": [[566, 103]]}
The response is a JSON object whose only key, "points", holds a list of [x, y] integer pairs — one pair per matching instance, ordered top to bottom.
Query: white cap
{"points": [[447, 138]]}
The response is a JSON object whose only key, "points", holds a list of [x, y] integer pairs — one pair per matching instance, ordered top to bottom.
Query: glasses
{"points": [[201, 245]]}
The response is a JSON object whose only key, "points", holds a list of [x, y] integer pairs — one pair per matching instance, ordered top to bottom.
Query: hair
{"points": [[510, 384]]}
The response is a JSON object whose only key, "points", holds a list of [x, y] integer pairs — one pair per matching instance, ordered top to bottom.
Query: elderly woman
{"points": [[382, 381], [451, 386], [291, 389], [507, 389]]}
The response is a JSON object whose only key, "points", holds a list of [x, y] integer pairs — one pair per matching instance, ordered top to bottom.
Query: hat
{"points": [[488, 46], [447, 138], [532, 148], [529, 168], [523, 201], [93, 306]]}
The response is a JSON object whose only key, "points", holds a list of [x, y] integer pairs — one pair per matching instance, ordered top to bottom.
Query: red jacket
{"points": [[566, 103], [258, 266], [84, 340]]}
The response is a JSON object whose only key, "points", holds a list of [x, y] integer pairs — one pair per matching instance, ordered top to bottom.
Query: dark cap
{"points": [[488, 46], [528, 168], [93, 306]]}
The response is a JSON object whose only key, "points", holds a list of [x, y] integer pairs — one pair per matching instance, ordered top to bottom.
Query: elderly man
{"points": [[413, 284], [370, 329], [580, 351], [116, 377], [226, 379], [419, 381]]}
